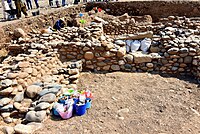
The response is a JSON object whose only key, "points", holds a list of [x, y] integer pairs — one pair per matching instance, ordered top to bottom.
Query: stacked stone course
{"points": [[174, 44], [51, 62], [30, 83]]}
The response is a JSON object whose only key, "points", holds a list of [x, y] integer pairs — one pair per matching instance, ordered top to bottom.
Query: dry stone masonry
{"points": [[41, 66], [30, 83]]}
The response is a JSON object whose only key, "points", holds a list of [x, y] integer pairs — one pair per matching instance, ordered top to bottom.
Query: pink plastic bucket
{"points": [[67, 114]]}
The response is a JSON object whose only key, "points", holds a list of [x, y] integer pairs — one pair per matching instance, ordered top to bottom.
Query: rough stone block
{"points": [[139, 57]]}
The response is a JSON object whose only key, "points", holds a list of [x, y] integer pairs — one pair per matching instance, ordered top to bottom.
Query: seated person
{"points": [[59, 24]]}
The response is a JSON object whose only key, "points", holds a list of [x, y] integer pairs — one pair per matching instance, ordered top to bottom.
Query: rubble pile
{"points": [[126, 24], [175, 41], [51, 62], [30, 84]]}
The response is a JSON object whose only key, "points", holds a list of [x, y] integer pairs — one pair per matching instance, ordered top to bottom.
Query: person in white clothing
{"points": [[4, 8]]}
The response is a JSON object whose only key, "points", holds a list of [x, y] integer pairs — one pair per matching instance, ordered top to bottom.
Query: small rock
{"points": [[18, 32], [120, 42], [86, 48], [154, 49], [173, 50], [184, 50], [121, 52], [108, 54], [88, 55], [19, 58], [129, 58], [141, 58], [188, 59], [23, 64], [101, 64], [150, 65], [115, 67], [106, 68], [174, 68], [28, 70], [73, 71], [12, 75], [23, 75], [74, 76], [6, 83], [33, 90], [48, 90], [7, 91], [19, 97], [48, 98], [4, 101], [17, 105], [23, 106], [42, 106], [7, 108], [125, 110], [5, 114], [33, 116], [121, 118], [8, 120], [35, 125], [23, 129], [8, 130]]}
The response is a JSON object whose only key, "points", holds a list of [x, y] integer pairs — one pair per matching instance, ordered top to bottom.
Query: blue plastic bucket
{"points": [[76, 100], [61, 101], [88, 103], [80, 109], [55, 112]]}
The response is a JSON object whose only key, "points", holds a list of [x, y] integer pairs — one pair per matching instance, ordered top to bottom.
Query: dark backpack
{"points": [[9, 1]]}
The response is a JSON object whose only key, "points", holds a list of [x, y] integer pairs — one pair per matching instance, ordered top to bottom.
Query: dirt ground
{"points": [[134, 103]]}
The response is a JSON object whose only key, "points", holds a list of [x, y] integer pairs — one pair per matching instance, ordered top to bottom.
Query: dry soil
{"points": [[134, 103]]}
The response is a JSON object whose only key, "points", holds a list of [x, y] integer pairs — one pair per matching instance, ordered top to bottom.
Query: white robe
{"points": [[5, 6]]}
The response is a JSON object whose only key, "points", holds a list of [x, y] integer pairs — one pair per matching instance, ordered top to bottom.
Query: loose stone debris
{"points": [[42, 66]]}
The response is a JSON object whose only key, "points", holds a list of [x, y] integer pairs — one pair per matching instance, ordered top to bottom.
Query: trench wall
{"points": [[157, 9], [37, 22], [174, 50]]}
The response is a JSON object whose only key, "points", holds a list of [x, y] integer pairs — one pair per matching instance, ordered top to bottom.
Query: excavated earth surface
{"points": [[136, 103]]}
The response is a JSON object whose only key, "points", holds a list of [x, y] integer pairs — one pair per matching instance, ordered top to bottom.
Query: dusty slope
{"points": [[155, 104]]}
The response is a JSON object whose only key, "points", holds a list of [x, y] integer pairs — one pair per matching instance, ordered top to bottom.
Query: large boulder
{"points": [[124, 17], [18, 32], [48, 98], [33, 116], [27, 129]]}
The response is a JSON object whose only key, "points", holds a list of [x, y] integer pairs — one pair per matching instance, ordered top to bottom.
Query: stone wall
{"points": [[157, 9], [37, 22], [126, 24], [175, 43], [173, 48], [43, 65], [196, 68], [30, 83]]}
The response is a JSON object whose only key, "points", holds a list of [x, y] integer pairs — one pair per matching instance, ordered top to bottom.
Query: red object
{"points": [[95, 8], [99, 9], [88, 94]]}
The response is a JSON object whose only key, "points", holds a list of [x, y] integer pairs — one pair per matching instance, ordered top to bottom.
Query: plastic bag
{"points": [[145, 44], [128, 45], [135, 45], [67, 113]]}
